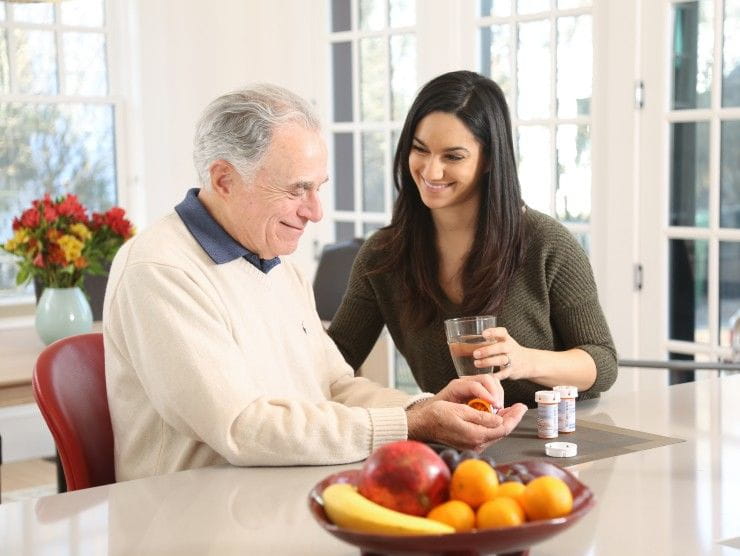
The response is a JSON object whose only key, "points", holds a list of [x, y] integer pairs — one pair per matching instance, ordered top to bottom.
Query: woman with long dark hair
{"points": [[462, 242]]}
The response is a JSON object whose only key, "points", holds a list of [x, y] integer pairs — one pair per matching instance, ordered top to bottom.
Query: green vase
{"points": [[62, 312]]}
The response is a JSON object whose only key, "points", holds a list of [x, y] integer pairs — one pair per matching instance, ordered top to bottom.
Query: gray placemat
{"points": [[595, 441]]}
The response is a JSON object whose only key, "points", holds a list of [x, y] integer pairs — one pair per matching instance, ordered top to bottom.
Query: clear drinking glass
{"points": [[464, 336]]}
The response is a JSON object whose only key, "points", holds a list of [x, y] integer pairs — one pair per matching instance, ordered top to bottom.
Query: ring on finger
{"points": [[508, 362]]}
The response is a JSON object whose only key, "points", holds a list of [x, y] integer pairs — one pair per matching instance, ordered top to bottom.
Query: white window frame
{"points": [[113, 28]]}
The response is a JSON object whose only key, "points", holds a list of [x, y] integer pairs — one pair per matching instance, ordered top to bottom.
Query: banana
{"points": [[349, 509]]}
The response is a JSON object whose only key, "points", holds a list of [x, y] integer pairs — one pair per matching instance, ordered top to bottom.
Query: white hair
{"points": [[238, 126]]}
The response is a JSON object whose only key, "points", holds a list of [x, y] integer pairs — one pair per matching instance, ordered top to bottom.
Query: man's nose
{"points": [[311, 207]]}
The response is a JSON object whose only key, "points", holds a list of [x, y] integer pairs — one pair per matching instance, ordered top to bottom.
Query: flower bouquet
{"points": [[58, 244]]}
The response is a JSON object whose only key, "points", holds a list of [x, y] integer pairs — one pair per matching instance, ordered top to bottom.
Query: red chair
{"points": [[69, 387]]}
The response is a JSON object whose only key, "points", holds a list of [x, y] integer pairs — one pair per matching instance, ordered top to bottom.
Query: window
{"points": [[540, 53], [373, 63], [57, 115], [703, 213]]}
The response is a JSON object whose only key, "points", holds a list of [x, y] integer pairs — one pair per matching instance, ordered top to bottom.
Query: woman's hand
{"points": [[514, 361]]}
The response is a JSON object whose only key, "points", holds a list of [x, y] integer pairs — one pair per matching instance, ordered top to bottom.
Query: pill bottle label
{"points": [[567, 415], [547, 420]]}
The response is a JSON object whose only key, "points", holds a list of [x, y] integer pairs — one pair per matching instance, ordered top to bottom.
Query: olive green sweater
{"points": [[551, 304]]}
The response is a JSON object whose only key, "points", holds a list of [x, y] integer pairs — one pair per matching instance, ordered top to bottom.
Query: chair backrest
{"points": [[332, 275], [69, 387]]}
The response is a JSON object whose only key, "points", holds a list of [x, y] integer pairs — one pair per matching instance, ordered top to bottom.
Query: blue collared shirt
{"points": [[220, 246]]}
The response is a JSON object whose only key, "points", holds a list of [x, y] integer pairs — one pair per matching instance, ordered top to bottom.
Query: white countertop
{"points": [[678, 499]]}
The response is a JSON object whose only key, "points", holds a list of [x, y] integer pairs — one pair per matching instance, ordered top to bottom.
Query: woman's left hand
{"points": [[513, 361]]}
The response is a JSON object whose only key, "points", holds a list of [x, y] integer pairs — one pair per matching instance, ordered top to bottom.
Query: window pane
{"points": [[567, 4], [532, 6], [498, 8], [2, 11], [34, 13], [86, 13], [402, 13], [372, 14], [341, 15], [692, 54], [731, 55], [496, 56], [341, 60], [574, 61], [35, 62], [84, 63], [4, 67], [403, 74], [533, 75], [372, 83], [56, 149], [535, 166], [344, 171], [373, 171], [689, 174], [729, 176], [573, 191], [368, 228], [344, 231], [585, 241], [729, 287], [688, 290]]}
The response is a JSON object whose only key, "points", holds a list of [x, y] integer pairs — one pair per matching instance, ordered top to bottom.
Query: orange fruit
{"points": [[480, 405], [473, 482], [512, 489], [546, 498], [500, 512], [454, 513]]}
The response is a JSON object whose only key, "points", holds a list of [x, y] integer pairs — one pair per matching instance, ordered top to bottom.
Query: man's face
{"points": [[270, 212]]}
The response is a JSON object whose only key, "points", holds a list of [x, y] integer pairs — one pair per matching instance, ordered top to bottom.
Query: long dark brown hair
{"points": [[409, 242]]}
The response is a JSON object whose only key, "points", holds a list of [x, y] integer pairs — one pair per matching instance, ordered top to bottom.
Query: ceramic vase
{"points": [[62, 312]]}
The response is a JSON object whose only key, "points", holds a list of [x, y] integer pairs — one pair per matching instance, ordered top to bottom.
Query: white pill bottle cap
{"points": [[567, 391], [547, 396]]}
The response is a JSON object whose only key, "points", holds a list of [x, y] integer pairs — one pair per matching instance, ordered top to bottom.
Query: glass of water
{"points": [[464, 336]]}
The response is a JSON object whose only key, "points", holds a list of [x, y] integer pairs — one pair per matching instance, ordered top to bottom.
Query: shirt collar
{"points": [[220, 246]]}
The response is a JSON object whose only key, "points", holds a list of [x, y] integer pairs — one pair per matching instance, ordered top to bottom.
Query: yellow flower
{"points": [[81, 231], [20, 236], [71, 247]]}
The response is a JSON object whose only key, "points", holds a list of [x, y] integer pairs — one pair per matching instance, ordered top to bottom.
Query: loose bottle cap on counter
{"points": [[567, 391], [547, 396], [561, 449]]}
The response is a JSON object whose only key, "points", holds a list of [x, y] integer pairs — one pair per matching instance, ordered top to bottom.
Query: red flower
{"points": [[71, 207], [30, 218], [118, 222], [56, 255], [38, 261]]}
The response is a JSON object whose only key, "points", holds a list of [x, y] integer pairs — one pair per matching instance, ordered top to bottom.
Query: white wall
{"points": [[178, 55]]}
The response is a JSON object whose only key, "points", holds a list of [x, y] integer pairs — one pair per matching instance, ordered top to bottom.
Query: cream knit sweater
{"points": [[210, 363]]}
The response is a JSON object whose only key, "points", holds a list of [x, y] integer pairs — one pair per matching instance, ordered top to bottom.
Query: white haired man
{"points": [[214, 351]]}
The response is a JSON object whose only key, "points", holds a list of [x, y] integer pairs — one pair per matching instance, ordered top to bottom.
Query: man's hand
{"points": [[462, 390], [458, 425]]}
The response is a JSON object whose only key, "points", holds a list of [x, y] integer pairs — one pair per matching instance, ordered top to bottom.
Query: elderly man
{"points": [[214, 351]]}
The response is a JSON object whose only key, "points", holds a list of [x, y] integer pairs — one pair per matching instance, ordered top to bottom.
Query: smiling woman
{"points": [[461, 243]]}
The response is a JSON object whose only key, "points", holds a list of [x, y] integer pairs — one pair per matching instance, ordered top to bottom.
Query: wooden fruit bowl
{"points": [[504, 540]]}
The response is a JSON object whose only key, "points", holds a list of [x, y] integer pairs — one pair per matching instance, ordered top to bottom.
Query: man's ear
{"points": [[222, 177]]}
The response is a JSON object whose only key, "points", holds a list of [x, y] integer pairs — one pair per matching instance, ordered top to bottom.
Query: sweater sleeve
{"points": [[576, 314], [358, 322], [172, 329]]}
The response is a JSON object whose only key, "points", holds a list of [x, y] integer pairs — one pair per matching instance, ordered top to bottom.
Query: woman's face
{"points": [[446, 162]]}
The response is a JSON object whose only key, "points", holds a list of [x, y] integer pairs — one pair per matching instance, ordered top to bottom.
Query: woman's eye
{"points": [[417, 148], [454, 157]]}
